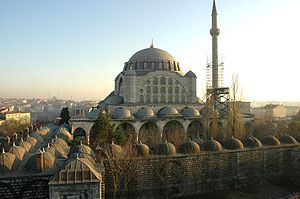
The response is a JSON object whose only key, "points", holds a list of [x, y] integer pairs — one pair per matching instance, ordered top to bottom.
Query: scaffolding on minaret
{"points": [[215, 91]]}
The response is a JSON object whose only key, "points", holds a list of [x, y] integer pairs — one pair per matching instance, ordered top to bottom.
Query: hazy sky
{"points": [[78, 47]]}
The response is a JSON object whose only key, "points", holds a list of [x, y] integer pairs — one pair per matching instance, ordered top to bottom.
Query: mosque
{"points": [[151, 92], [151, 95]]}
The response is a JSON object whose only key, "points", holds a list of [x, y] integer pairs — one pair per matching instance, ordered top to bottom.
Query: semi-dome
{"points": [[151, 59], [113, 99], [144, 112], [167, 112], [190, 112], [121, 113], [93, 114], [287, 139], [270, 141], [252, 142], [233, 144], [212, 145], [189, 147], [165, 148], [142, 149], [18, 151], [41, 161], [8, 162]]}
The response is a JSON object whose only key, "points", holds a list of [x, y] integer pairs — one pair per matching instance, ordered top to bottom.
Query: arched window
{"points": [[145, 65], [152, 66], [160, 66], [155, 81], [163, 81], [170, 81], [155, 89], [148, 90], [162, 90], [170, 90], [176, 90], [141, 99], [148, 99], [155, 99], [163, 99], [170, 99], [176, 99], [183, 99]]}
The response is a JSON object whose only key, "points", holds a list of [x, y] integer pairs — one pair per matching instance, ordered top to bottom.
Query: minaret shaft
{"points": [[214, 32]]}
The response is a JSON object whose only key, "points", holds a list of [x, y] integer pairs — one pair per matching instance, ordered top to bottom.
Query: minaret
{"points": [[214, 32]]}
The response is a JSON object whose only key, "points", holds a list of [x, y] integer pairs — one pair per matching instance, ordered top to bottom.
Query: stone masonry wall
{"points": [[187, 175], [24, 187]]}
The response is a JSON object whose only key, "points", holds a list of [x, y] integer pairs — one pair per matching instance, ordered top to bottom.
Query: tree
{"points": [[65, 116], [235, 125], [104, 131], [121, 170]]}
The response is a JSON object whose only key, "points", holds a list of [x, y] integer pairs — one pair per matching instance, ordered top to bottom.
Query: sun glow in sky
{"points": [[77, 47]]}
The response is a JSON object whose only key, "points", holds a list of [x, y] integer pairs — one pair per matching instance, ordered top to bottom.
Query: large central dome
{"points": [[151, 54], [152, 59]]}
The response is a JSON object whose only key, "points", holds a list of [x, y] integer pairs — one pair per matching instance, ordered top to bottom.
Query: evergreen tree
{"points": [[65, 116], [104, 131]]}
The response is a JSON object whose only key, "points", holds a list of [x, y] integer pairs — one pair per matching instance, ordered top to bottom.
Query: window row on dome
{"points": [[150, 65], [162, 99]]}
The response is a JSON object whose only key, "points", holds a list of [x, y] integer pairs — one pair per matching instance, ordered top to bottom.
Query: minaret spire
{"points": [[214, 32]]}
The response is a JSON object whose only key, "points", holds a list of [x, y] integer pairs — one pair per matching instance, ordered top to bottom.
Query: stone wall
{"points": [[188, 175], [24, 187]]}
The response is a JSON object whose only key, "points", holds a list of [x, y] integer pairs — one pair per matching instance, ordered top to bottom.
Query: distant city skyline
{"points": [[77, 48]]}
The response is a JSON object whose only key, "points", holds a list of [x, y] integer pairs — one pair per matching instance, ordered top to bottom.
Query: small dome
{"points": [[190, 74], [144, 112], [167, 112], [190, 112], [121, 113], [93, 114], [66, 126], [44, 131], [64, 134], [38, 137], [287, 139], [31, 140], [60, 141], [199, 141], [270, 141], [252, 142], [233, 144], [26, 145], [212, 145], [189, 147], [82, 148], [165, 148], [50, 149], [142, 149], [59, 150], [116, 150], [18, 151], [81, 155], [41, 161], [8, 162]]}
